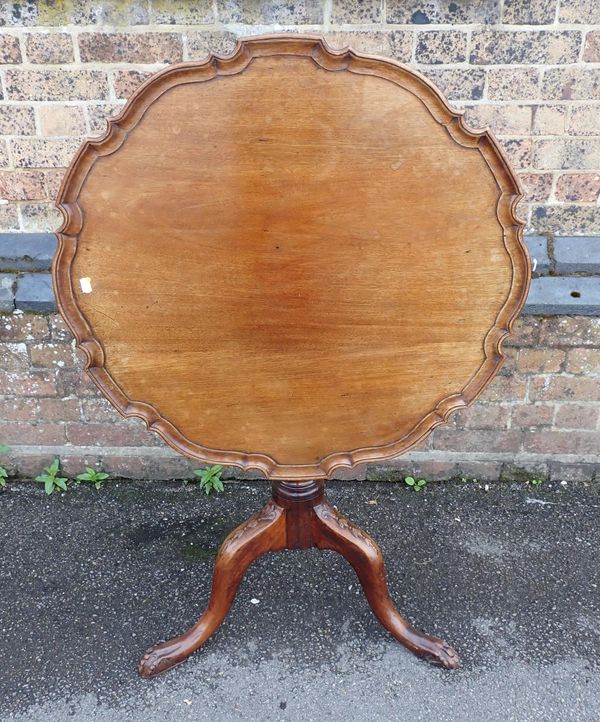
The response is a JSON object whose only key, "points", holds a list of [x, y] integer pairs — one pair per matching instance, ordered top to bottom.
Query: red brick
{"points": [[149, 47], [22, 185], [584, 187], [24, 327], [59, 331], [526, 331], [569, 331], [52, 355], [13, 357], [540, 360], [583, 361], [29, 383], [75, 383], [505, 388], [564, 388], [18, 408], [59, 409], [99, 410], [481, 416], [525, 416], [576, 416], [42, 434], [119, 434], [493, 440], [561, 442]]}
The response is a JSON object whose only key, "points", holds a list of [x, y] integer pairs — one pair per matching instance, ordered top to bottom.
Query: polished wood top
{"points": [[291, 259]]}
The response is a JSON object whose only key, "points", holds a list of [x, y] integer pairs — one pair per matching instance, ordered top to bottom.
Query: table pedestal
{"points": [[297, 516]]}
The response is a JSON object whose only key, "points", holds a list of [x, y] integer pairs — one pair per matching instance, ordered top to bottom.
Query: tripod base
{"points": [[297, 516]]}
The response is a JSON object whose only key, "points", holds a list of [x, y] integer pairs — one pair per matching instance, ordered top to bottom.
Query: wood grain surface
{"points": [[298, 259]]}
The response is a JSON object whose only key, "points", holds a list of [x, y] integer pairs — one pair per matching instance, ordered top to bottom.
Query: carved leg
{"points": [[334, 531], [264, 532]]}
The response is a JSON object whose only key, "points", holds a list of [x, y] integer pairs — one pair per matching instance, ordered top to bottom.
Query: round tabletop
{"points": [[292, 258]]}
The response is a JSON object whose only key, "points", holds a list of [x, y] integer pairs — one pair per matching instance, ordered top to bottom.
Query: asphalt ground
{"points": [[509, 576]]}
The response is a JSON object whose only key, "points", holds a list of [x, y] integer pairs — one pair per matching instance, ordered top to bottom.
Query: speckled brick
{"points": [[356, 11], [579, 11], [73, 12], [181, 12], [283, 12], [442, 12], [529, 12], [200, 44], [396, 44], [150, 47], [441, 47], [497, 47], [49, 48], [10, 51], [126, 81], [458, 83], [513, 83], [575, 83], [56, 85], [98, 113], [501, 119], [549, 119], [17, 120], [61, 120], [584, 120], [518, 151], [43, 152], [566, 153], [53, 179], [22, 185], [536, 186], [582, 187], [40, 217], [9, 218], [571, 219], [569, 331], [540, 360], [584, 361]]}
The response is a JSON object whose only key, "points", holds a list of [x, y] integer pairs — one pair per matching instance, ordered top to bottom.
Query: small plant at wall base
{"points": [[3, 473], [96, 478], [210, 478], [51, 480], [416, 485]]}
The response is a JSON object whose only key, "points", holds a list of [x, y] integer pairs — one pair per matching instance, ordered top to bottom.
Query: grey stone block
{"points": [[538, 250], [26, 251], [577, 254], [35, 292], [7, 295], [554, 295]]}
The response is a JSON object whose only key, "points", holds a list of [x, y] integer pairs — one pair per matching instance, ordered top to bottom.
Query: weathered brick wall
{"points": [[529, 70], [540, 414]]}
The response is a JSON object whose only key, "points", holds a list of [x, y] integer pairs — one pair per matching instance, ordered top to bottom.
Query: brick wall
{"points": [[529, 70]]}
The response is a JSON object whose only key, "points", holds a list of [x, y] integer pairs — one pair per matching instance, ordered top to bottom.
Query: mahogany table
{"points": [[291, 259]]}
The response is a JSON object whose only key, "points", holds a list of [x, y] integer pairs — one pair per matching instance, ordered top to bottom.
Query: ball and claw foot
{"points": [[441, 655], [158, 659]]}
